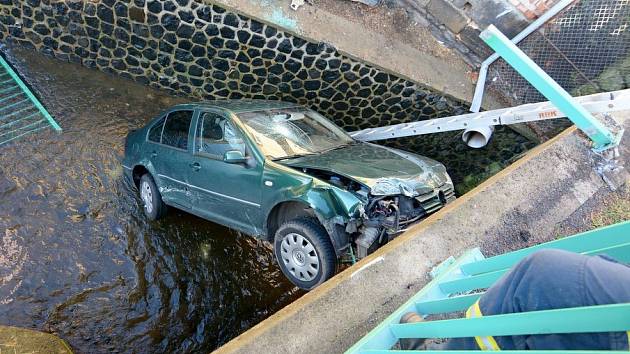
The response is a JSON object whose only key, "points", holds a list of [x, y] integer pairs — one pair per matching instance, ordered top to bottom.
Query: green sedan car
{"points": [[283, 173]]}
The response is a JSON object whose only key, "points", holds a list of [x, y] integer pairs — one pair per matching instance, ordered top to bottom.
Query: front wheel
{"points": [[304, 252]]}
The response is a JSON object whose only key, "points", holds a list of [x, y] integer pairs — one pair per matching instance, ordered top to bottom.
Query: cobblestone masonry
{"points": [[199, 49]]}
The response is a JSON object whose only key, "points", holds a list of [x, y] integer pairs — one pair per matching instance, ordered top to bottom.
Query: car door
{"points": [[169, 152], [229, 193]]}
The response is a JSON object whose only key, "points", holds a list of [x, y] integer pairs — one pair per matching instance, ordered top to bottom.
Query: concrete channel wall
{"points": [[522, 203]]}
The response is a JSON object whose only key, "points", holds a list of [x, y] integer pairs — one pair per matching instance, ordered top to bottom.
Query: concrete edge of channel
{"points": [[447, 75], [289, 310]]}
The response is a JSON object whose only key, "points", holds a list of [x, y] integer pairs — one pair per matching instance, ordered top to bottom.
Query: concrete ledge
{"points": [[452, 17], [437, 67], [519, 205]]}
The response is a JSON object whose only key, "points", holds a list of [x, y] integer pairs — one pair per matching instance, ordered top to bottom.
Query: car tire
{"points": [[152, 204], [305, 253]]}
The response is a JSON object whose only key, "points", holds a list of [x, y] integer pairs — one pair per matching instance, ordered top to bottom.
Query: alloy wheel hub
{"points": [[147, 196], [300, 257]]}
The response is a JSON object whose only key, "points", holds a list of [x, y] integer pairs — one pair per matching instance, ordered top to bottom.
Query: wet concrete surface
{"points": [[80, 260]]}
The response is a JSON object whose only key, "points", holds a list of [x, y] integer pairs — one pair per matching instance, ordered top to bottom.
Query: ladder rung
{"points": [[6, 81], [9, 88], [10, 97], [14, 104], [16, 112], [13, 122], [22, 127], [24, 133], [447, 305]]}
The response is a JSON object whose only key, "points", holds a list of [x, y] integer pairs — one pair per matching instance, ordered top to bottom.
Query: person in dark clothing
{"points": [[548, 279]]}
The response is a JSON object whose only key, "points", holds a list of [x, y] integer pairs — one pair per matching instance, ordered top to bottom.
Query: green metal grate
{"points": [[21, 113]]}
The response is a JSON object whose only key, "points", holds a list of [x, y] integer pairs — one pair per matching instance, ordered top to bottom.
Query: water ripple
{"points": [[80, 260]]}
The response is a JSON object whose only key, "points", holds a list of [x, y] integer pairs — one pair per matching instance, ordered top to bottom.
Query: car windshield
{"points": [[288, 133]]}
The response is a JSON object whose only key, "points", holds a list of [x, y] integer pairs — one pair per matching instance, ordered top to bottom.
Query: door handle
{"points": [[153, 154], [195, 166]]}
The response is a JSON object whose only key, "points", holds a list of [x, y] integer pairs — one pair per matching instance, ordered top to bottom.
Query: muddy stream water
{"points": [[79, 259]]}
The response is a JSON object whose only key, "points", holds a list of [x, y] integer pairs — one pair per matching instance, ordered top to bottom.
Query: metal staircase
{"points": [[21, 113], [458, 283]]}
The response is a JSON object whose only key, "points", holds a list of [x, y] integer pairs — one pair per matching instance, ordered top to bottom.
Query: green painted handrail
{"points": [[29, 94], [609, 236], [619, 252], [451, 304], [590, 319], [382, 335], [381, 351]]}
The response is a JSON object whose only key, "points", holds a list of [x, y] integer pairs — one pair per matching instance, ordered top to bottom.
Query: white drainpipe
{"points": [[483, 71]]}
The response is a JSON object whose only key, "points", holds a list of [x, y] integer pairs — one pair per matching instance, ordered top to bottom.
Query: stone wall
{"points": [[192, 48], [199, 49]]}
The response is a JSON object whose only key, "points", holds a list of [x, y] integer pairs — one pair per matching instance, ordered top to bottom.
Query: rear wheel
{"points": [[154, 207], [304, 252]]}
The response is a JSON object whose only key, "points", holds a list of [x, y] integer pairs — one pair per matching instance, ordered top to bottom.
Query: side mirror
{"points": [[234, 156]]}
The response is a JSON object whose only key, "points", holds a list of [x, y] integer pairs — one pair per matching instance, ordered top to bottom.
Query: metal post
{"points": [[483, 71], [548, 87]]}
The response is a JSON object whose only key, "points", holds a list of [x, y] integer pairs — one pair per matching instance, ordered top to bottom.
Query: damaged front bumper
{"points": [[436, 199], [371, 214], [387, 216]]}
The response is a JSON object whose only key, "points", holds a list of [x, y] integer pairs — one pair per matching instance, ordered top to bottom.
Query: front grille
{"points": [[449, 193], [431, 202]]}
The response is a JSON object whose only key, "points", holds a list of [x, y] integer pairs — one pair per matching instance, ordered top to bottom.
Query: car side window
{"points": [[175, 132], [155, 133], [216, 135]]}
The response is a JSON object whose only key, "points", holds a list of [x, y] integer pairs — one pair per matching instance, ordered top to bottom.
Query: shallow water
{"points": [[79, 259]]}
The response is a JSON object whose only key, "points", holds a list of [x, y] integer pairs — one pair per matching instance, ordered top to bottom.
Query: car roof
{"points": [[240, 105]]}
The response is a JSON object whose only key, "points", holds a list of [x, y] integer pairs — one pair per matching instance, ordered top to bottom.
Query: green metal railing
{"points": [[21, 113], [602, 137], [459, 283]]}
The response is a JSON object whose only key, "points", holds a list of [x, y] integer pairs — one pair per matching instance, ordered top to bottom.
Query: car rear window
{"points": [[175, 132], [155, 133]]}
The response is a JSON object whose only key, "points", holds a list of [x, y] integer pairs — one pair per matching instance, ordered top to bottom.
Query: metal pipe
{"points": [[483, 71], [477, 137]]}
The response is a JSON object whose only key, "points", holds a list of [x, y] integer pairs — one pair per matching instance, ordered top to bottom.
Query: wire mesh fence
{"points": [[585, 48]]}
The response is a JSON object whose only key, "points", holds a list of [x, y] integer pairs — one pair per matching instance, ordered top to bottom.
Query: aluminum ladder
{"points": [[597, 103], [21, 113], [458, 283]]}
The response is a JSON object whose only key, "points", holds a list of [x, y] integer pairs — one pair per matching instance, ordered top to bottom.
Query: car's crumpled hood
{"points": [[384, 170]]}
